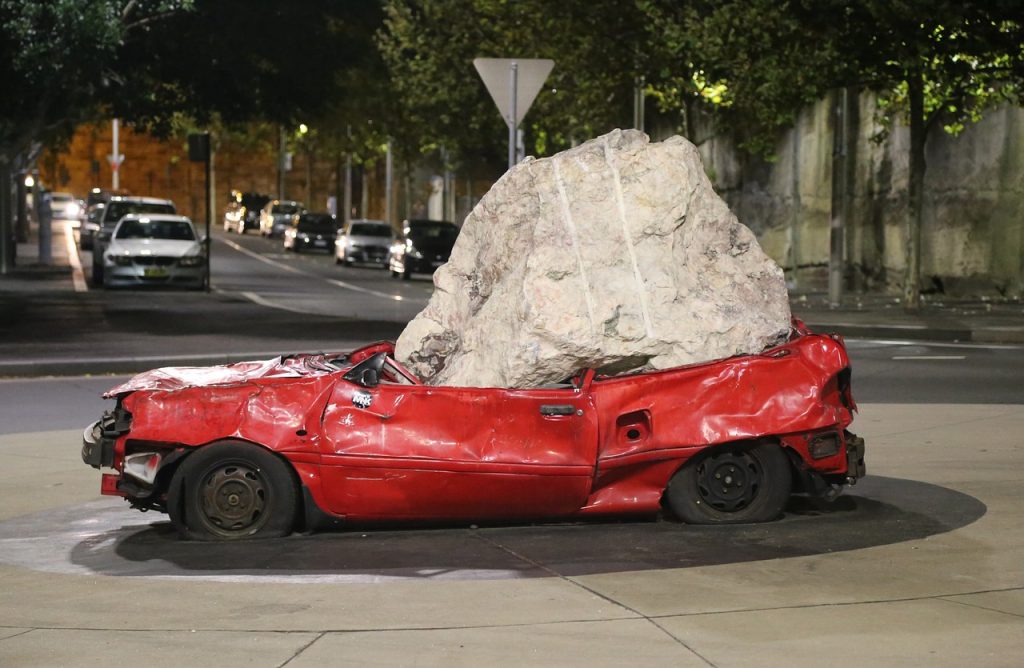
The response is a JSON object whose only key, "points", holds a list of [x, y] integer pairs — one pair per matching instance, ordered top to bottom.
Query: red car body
{"points": [[393, 448]]}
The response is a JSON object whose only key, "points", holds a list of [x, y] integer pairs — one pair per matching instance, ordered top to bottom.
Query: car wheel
{"points": [[732, 484], [230, 491]]}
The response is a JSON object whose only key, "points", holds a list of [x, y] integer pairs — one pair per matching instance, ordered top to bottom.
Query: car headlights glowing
{"points": [[190, 261]]}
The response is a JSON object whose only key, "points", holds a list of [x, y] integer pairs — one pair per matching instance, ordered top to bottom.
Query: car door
{"points": [[415, 451]]}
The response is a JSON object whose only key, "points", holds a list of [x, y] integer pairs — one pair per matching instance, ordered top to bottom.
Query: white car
{"points": [[65, 207], [364, 241], [148, 249]]}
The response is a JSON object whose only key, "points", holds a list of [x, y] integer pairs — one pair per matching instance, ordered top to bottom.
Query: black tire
{"points": [[732, 484], [233, 491]]}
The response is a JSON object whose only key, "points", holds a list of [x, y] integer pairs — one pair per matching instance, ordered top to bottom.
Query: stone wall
{"points": [[972, 239]]}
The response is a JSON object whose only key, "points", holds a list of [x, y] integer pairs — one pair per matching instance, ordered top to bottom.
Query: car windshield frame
{"points": [[113, 213], [318, 223], [163, 230], [371, 230], [438, 231]]}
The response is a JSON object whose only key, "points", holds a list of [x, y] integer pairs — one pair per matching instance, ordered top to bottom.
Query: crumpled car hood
{"points": [[180, 377]]}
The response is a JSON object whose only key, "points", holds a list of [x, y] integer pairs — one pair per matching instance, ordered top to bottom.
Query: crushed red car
{"points": [[265, 448]]}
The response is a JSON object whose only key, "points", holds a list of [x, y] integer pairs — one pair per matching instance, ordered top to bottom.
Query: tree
{"points": [[599, 48], [155, 62], [933, 62], [936, 62]]}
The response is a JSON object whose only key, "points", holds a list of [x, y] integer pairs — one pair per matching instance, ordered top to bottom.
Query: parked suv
{"points": [[116, 209], [365, 241]]}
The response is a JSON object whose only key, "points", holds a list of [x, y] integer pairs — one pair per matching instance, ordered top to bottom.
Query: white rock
{"points": [[616, 255]]}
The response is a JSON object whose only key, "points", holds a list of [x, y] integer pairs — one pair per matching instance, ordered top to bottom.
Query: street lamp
{"points": [[29, 181]]}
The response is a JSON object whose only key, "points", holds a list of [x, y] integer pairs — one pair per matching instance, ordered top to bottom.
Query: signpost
{"points": [[513, 84], [199, 151], [115, 158]]}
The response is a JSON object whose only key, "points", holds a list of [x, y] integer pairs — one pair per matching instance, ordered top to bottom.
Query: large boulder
{"points": [[616, 255]]}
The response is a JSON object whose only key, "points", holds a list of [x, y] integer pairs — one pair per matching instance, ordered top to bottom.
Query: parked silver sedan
{"points": [[364, 241], [148, 249]]}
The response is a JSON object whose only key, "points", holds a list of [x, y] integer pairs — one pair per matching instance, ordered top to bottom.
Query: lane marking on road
{"points": [[257, 256], [77, 277], [333, 281], [349, 286], [256, 299], [867, 325], [922, 343], [929, 357]]}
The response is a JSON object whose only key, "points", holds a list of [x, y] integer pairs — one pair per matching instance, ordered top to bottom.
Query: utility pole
{"points": [[639, 83], [116, 157], [280, 161], [389, 186], [347, 200], [837, 230]]}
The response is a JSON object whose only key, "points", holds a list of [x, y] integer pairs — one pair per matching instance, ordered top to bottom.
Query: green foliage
{"points": [[599, 47], [969, 56], [758, 62], [55, 63]]}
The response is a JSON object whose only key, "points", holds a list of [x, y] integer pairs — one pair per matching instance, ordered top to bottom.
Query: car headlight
{"points": [[72, 209], [304, 237], [413, 253], [119, 260], [190, 261]]}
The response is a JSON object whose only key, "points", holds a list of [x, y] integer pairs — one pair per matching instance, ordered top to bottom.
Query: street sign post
{"points": [[513, 84], [199, 151]]}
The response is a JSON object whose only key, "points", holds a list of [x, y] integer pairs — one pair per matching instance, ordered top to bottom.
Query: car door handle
{"points": [[557, 409]]}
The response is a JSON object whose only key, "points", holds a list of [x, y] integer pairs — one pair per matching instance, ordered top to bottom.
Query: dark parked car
{"points": [[312, 231], [423, 247], [260, 448]]}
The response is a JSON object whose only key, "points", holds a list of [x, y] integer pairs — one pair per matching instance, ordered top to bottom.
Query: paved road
{"points": [[918, 564]]}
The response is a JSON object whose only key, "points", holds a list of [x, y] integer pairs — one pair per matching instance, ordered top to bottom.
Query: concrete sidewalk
{"points": [[944, 588]]}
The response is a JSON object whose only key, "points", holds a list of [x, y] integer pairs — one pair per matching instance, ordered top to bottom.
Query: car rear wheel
{"points": [[732, 484], [231, 491]]}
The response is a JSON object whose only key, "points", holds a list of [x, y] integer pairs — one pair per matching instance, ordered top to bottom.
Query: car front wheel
{"points": [[731, 484], [231, 491]]}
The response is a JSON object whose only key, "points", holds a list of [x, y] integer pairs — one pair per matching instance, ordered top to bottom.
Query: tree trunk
{"points": [[918, 129], [8, 245]]}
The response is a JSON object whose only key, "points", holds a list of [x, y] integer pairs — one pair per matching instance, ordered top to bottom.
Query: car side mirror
{"points": [[369, 378]]}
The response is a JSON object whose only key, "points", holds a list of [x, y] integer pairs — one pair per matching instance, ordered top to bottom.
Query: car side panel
{"points": [[270, 413], [650, 424], [418, 451]]}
